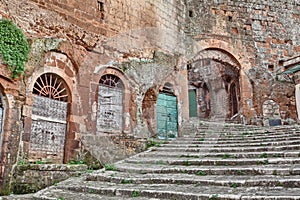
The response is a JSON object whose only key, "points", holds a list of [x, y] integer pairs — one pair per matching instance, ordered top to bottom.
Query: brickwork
{"points": [[266, 31], [146, 44]]}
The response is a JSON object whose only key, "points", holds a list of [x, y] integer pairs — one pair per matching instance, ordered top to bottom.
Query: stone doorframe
{"points": [[243, 57], [59, 65], [202, 71], [129, 110]]}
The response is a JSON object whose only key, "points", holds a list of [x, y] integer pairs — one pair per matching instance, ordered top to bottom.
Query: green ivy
{"points": [[14, 48]]}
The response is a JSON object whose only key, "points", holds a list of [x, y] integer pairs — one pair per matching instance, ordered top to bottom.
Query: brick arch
{"points": [[239, 54], [218, 55], [235, 57], [58, 65], [117, 72]]}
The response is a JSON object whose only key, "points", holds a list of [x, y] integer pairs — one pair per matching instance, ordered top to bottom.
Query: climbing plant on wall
{"points": [[14, 48]]}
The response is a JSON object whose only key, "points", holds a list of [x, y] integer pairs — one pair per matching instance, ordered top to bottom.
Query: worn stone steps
{"points": [[231, 138], [223, 144], [229, 149], [291, 153], [225, 160], [211, 161], [260, 169], [200, 179], [173, 191], [60, 193]]}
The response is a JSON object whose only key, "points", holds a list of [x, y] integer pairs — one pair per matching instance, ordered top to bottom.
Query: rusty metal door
{"points": [[110, 108], [167, 116], [48, 127]]}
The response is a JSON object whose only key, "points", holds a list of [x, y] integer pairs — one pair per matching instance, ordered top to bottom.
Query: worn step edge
{"points": [[245, 144], [230, 149], [292, 154], [222, 161], [211, 170], [231, 181], [166, 191]]}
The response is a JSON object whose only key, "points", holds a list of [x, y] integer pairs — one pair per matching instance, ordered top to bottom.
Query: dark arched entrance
{"points": [[214, 75]]}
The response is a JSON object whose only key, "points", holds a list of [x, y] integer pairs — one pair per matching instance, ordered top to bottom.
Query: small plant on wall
{"points": [[14, 48]]}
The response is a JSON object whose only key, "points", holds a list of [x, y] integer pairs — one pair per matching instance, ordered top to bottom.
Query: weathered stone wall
{"points": [[263, 32], [81, 42], [146, 44], [13, 99], [31, 178]]}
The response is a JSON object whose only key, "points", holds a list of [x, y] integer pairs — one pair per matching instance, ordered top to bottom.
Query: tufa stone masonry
{"points": [[106, 75]]}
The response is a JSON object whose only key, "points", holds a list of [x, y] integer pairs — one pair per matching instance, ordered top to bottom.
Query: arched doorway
{"points": [[215, 75], [233, 99], [110, 104], [167, 114], [49, 118]]}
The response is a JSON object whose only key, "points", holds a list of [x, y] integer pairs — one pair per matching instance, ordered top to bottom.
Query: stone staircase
{"points": [[214, 161]]}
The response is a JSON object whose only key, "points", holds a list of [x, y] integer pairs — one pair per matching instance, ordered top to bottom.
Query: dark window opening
{"points": [[101, 9], [191, 13], [230, 18], [271, 68]]}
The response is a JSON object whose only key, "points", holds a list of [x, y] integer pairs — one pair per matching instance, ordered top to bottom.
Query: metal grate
{"points": [[110, 80], [51, 86], [110, 103]]}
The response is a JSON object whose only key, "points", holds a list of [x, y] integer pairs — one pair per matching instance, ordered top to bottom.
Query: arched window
{"points": [[51, 86], [110, 103], [49, 115]]}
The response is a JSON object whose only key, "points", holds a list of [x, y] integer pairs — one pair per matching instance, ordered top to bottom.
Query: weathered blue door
{"points": [[167, 116]]}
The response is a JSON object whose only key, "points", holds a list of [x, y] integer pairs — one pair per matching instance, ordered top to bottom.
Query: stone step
{"points": [[230, 138], [207, 139], [237, 139], [240, 144], [229, 149], [216, 154], [225, 160], [211, 161], [262, 169], [201, 178], [174, 191], [55, 193], [17, 197]]}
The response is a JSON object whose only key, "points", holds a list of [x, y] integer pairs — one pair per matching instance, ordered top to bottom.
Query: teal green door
{"points": [[193, 103], [167, 116]]}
